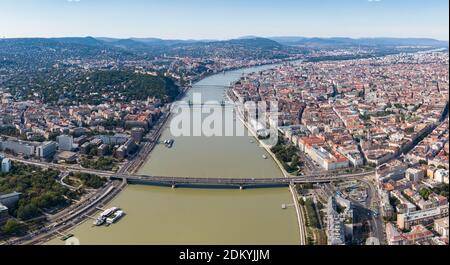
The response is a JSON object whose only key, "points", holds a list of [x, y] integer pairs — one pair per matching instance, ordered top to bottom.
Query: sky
{"points": [[224, 19]]}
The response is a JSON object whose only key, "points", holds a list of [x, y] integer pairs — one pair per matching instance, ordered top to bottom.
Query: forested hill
{"points": [[33, 53], [127, 85], [98, 87]]}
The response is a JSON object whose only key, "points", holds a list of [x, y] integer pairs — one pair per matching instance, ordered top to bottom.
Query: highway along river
{"points": [[157, 215]]}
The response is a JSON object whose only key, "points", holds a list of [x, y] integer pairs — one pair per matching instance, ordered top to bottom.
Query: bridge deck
{"points": [[235, 182]]}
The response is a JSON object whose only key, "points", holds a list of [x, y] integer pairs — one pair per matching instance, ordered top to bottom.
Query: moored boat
{"points": [[109, 212], [116, 216], [99, 221]]}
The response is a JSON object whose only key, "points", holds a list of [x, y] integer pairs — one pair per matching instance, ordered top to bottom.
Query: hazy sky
{"points": [[223, 19]]}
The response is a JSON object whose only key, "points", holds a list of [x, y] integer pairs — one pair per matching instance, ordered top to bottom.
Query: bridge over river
{"points": [[198, 182], [236, 183]]}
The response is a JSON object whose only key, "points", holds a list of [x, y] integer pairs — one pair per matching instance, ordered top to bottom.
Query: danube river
{"points": [[157, 215]]}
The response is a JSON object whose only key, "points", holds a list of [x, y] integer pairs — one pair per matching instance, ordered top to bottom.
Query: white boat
{"points": [[264, 156], [109, 212], [117, 215], [100, 221]]}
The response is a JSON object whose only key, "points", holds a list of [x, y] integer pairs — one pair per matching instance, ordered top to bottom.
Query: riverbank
{"points": [[299, 212], [72, 217]]}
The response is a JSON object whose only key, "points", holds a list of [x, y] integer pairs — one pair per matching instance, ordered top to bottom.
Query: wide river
{"points": [[157, 215]]}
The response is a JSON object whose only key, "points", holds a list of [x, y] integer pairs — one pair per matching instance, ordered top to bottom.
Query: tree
{"points": [[409, 130], [9, 131], [52, 136], [93, 151], [295, 161], [423, 162], [90, 181], [38, 188], [442, 189], [425, 193], [48, 200], [301, 201], [394, 201], [27, 212], [12, 227]]}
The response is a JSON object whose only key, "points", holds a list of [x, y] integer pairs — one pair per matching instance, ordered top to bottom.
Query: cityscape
{"points": [[313, 141]]}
